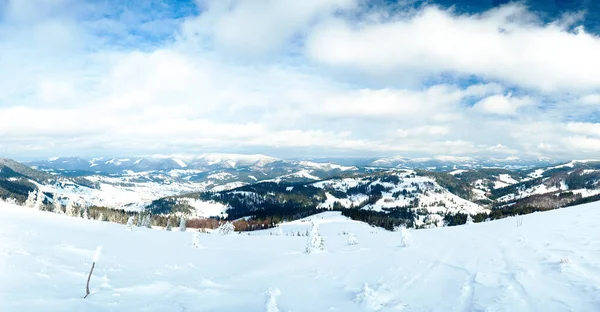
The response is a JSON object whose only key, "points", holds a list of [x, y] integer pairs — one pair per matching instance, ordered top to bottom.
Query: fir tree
{"points": [[182, 224]]}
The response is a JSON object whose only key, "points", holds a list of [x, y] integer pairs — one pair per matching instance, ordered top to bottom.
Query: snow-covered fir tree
{"points": [[39, 200], [30, 202], [57, 206], [71, 210], [86, 212], [102, 217], [140, 220], [469, 220], [148, 221], [130, 223], [182, 224], [168, 227], [226, 228], [405, 239], [315, 242], [271, 304]]}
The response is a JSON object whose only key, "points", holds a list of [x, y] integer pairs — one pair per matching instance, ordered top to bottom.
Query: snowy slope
{"points": [[550, 263]]}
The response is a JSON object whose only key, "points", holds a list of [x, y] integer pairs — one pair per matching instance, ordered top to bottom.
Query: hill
{"points": [[549, 263]]}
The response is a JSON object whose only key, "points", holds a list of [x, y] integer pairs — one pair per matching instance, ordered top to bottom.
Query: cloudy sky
{"points": [[300, 78]]}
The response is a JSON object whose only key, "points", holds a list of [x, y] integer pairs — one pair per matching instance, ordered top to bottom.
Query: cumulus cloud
{"points": [[505, 44], [326, 77]]}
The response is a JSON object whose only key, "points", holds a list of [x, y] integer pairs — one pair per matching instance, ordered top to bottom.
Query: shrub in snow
{"points": [[102, 217], [469, 220], [148, 221], [130, 223], [182, 224], [168, 227], [226, 228], [406, 239], [196, 240], [352, 240], [315, 242], [94, 260], [271, 305]]}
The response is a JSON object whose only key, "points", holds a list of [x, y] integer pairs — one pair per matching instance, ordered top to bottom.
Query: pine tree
{"points": [[39, 200], [30, 202], [56, 204], [71, 210], [86, 212], [102, 217], [140, 220], [469, 220], [148, 221], [130, 223], [182, 224], [168, 227], [226, 228], [406, 239], [315, 242]]}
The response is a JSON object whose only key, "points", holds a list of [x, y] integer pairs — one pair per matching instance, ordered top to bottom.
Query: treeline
{"points": [[387, 220]]}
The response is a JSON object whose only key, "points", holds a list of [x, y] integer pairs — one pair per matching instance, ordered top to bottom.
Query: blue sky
{"points": [[293, 79]]}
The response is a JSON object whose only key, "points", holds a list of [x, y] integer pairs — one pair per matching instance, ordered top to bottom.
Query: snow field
{"points": [[550, 263]]}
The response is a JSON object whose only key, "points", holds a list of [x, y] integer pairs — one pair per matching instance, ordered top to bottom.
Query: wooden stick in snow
{"points": [[87, 286]]}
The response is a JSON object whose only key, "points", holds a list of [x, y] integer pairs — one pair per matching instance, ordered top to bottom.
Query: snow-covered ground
{"points": [[549, 263]]}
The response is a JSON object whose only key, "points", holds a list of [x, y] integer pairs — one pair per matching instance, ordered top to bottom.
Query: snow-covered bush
{"points": [[102, 217], [469, 220], [148, 221], [519, 221], [130, 223], [182, 224], [168, 227], [226, 228], [406, 239], [352, 240], [315, 242], [374, 299], [271, 304]]}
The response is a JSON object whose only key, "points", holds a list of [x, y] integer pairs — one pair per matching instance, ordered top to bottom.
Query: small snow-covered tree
{"points": [[39, 200], [30, 202], [57, 207], [71, 210], [86, 212], [102, 217], [140, 220], [469, 220], [148, 221], [130, 223], [182, 224], [168, 227], [226, 228], [406, 239], [352, 240], [315, 242], [271, 304]]}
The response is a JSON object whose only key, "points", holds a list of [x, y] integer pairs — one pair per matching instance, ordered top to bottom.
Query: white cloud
{"points": [[501, 44], [234, 79], [501, 104]]}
